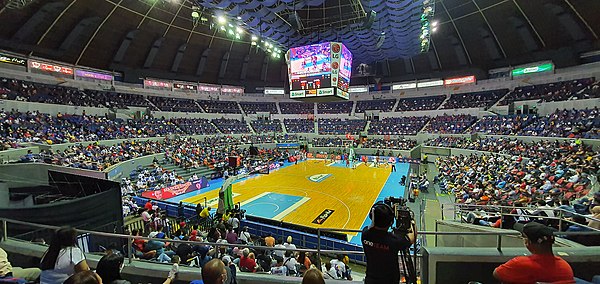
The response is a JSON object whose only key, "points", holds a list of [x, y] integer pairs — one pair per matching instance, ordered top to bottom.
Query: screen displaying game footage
{"points": [[310, 60]]}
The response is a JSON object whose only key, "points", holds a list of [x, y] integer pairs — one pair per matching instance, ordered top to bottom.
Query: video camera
{"points": [[402, 214]]}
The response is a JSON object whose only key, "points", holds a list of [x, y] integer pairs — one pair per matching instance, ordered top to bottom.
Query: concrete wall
{"points": [[13, 155], [34, 174]]}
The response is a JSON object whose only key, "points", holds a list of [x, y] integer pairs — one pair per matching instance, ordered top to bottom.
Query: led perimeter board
{"points": [[317, 70]]}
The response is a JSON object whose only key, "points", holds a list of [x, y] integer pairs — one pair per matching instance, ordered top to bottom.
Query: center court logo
{"points": [[319, 177]]}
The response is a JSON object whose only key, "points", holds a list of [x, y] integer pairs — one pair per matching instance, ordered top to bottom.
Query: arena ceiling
{"points": [[159, 38]]}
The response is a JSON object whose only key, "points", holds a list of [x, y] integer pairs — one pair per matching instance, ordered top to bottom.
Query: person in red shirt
{"points": [[148, 205], [247, 262], [542, 265]]}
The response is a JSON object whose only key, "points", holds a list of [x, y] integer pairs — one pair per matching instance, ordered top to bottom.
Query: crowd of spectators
{"points": [[13, 89], [550, 92], [590, 92], [484, 99], [420, 103], [174, 104], [385, 105], [214, 106], [254, 107], [335, 107], [297, 108], [450, 123], [565, 123], [502, 124], [231, 125], [263, 125], [299, 125], [409, 125], [195, 126], [341, 126], [396, 144], [526, 173]]}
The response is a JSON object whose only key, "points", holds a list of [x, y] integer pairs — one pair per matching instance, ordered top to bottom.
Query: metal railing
{"points": [[129, 239]]}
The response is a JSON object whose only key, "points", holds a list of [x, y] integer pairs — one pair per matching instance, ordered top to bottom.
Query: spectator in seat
{"points": [[596, 215], [270, 241], [63, 258], [247, 262], [542, 265], [279, 268], [109, 269], [7, 270], [214, 272]]}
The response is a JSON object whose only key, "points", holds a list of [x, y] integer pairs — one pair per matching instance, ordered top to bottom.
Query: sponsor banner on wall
{"points": [[5, 58], [50, 67], [93, 75], [460, 80], [157, 84], [430, 84], [404, 86], [185, 87], [209, 88], [232, 90], [358, 90], [274, 92], [343, 95], [175, 190]]}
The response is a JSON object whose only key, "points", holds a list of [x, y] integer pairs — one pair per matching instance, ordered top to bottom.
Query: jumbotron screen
{"points": [[322, 69]]}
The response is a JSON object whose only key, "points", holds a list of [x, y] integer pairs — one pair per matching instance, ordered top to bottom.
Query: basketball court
{"points": [[312, 193]]}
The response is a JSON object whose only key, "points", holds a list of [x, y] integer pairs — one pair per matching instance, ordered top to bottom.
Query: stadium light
{"points": [[221, 20], [434, 23], [434, 29], [239, 30], [254, 38]]}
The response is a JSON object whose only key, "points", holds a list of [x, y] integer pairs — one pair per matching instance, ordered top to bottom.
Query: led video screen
{"points": [[322, 69]]}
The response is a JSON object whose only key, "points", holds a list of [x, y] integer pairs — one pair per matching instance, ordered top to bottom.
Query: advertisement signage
{"points": [[336, 50], [5, 58], [49, 67], [533, 69], [93, 75], [460, 80], [157, 84], [430, 84], [403, 86], [186, 87], [209, 88], [232, 90], [358, 90], [274, 92], [325, 92], [310, 93], [296, 94], [343, 95], [175, 190]]}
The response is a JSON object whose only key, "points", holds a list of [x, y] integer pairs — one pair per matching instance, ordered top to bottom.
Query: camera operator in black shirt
{"points": [[381, 246]]}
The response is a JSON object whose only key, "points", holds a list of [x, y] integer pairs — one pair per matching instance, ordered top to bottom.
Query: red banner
{"points": [[175, 190]]}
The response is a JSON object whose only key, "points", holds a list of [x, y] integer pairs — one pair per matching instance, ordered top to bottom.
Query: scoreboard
{"points": [[319, 70]]}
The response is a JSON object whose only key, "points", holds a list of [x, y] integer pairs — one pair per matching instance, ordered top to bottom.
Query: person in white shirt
{"points": [[245, 236], [288, 244], [278, 252], [63, 258], [290, 262], [279, 268]]}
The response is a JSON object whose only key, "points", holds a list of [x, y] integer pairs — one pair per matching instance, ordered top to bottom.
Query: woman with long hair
{"points": [[63, 258], [109, 268]]}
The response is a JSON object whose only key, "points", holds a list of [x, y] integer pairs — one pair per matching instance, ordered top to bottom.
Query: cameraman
{"points": [[381, 247]]}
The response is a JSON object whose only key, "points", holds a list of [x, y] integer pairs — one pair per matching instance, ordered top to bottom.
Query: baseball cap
{"points": [[536, 232]]}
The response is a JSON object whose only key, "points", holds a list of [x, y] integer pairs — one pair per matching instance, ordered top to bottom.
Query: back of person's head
{"points": [[382, 216], [63, 238], [289, 239], [245, 252], [109, 267], [214, 272], [313, 276], [84, 277]]}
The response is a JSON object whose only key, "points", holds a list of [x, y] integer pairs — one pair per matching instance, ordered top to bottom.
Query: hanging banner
{"points": [[533, 69], [430, 84], [185, 87], [209, 88], [232, 90], [274, 92]]}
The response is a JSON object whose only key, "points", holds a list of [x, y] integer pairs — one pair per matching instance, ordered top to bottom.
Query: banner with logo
{"points": [[5, 58], [50, 67], [93, 75], [460, 80], [324, 92], [175, 190]]}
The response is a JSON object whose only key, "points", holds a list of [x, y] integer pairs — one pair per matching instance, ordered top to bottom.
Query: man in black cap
{"points": [[542, 265]]}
